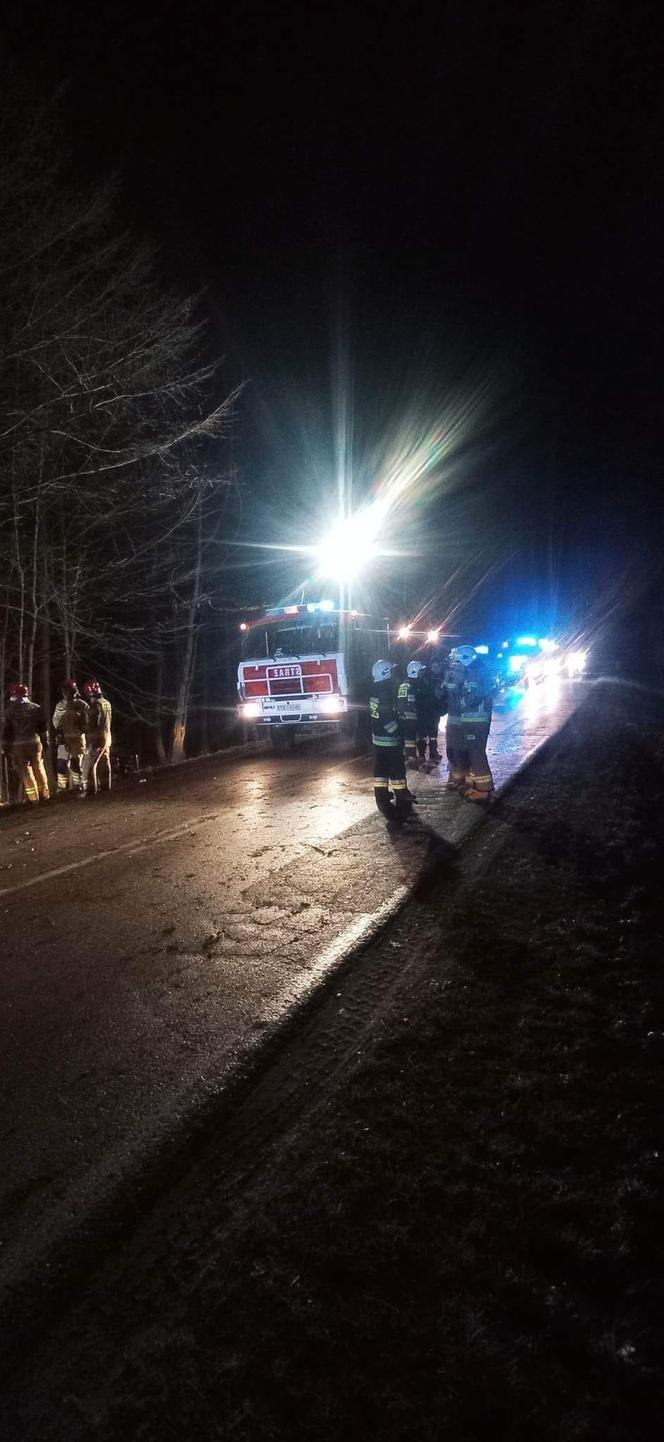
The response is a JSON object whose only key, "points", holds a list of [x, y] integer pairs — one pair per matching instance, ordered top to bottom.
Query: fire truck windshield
{"points": [[311, 638]]}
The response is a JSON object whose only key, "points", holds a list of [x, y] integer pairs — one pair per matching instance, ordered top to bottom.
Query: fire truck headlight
{"points": [[432, 637], [331, 705], [250, 710]]}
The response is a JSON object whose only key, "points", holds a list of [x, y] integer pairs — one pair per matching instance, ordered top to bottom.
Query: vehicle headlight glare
{"points": [[331, 705]]}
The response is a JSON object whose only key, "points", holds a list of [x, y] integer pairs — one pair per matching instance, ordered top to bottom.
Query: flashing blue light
{"points": [[320, 605], [526, 640], [482, 650], [517, 662]]}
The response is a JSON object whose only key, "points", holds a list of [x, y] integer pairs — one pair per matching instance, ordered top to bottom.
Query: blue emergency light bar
{"points": [[296, 610], [526, 640], [482, 650]]}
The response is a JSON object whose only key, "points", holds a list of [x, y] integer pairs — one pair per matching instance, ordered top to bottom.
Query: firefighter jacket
{"points": [[469, 691], [407, 701], [427, 703], [384, 714], [71, 718], [24, 721], [99, 721]]}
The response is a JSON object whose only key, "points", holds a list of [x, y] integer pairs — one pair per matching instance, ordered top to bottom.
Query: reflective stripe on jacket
{"points": [[469, 692], [407, 701], [384, 716], [70, 717]]}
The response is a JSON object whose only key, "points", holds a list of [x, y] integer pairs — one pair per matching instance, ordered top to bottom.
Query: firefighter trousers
{"points": [[409, 733], [427, 735], [97, 755], [28, 758], [70, 763], [468, 767], [390, 777]]}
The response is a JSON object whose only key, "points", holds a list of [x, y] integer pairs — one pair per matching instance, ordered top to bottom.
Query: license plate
{"points": [[281, 708]]}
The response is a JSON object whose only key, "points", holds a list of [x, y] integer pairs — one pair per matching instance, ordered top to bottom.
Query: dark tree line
{"points": [[115, 487]]}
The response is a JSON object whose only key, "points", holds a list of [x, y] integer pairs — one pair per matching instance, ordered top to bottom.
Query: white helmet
{"points": [[465, 654], [414, 669], [382, 670]]}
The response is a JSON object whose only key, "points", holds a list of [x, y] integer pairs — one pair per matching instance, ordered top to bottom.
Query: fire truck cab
{"points": [[308, 667]]}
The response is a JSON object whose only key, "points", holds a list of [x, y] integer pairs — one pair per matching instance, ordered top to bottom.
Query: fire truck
{"points": [[308, 667]]}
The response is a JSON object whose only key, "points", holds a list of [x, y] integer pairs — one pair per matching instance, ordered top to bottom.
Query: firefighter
{"points": [[469, 693], [427, 703], [407, 711], [69, 723], [25, 738], [98, 748], [389, 767]]}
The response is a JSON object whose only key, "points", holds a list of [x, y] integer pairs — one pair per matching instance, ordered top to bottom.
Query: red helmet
{"points": [[71, 687], [90, 689], [17, 691]]}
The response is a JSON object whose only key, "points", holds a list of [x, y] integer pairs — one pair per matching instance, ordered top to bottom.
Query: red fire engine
{"points": [[309, 666]]}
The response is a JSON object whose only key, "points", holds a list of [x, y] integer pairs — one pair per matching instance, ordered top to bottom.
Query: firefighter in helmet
{"points": [[469, 692], [407, 711], [69, 723], [24, 739], [98, 749], [389, 767]]}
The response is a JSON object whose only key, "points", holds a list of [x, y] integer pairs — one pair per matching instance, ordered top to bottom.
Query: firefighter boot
{"points": [[382, 797]]}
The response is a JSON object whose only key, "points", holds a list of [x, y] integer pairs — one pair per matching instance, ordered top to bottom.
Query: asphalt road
{"points": [[150, 937]]}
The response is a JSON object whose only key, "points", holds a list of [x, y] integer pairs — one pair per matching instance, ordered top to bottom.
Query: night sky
{"points": [[391, 206]]}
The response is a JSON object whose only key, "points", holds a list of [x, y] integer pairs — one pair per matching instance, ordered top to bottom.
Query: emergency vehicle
{"points": [[527, 659], [308, 666]]}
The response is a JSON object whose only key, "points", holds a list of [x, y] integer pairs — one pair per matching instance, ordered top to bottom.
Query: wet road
{"points": [[150, 937]]}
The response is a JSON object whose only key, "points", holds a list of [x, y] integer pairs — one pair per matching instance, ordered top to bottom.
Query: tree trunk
{"points": [[34, 608], [203, 661], [45, 665], [187, 666], [159, 722]]}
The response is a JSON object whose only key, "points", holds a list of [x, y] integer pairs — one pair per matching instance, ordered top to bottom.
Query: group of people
{"points": [[405, 717], [82, 733]]}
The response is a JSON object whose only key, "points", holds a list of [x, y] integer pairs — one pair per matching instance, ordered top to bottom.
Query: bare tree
{"points": [[111, 423]]}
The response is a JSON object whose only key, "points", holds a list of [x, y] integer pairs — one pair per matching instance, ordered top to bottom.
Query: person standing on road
{"points": [[469, 691], [427, 703], [407, 711], [69, 723], [25, 738], [98, 748], [389, 765]]}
